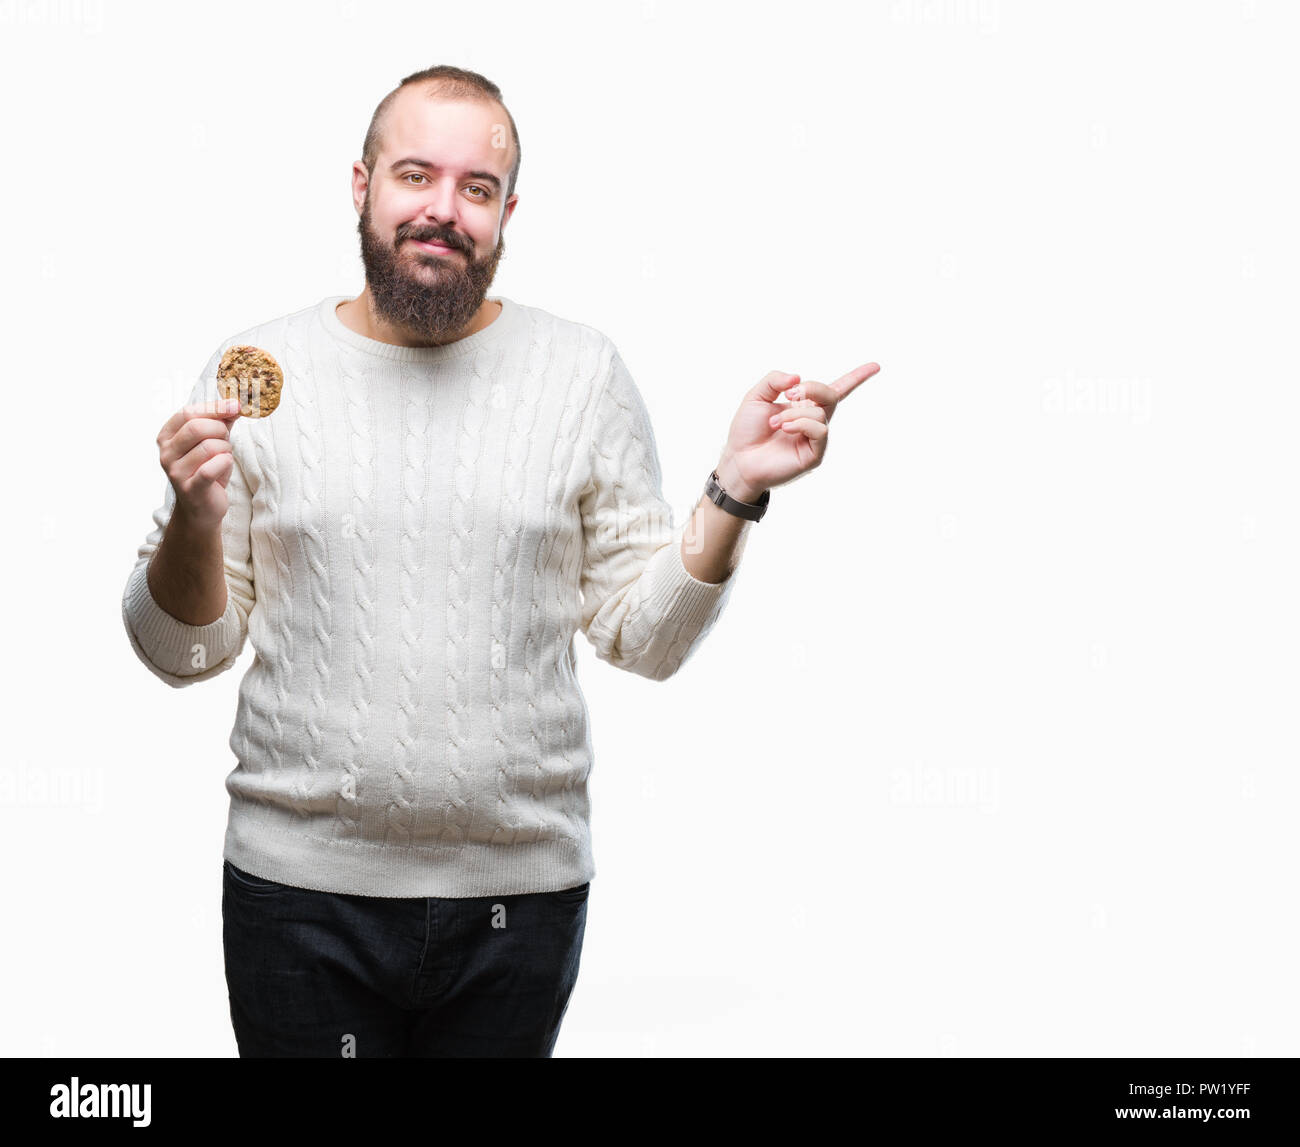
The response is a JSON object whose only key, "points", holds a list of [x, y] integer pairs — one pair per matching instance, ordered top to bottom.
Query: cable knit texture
{"points": [[413, 540]]}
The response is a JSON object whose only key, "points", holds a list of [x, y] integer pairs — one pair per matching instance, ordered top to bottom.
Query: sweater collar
{"points": [[496, 332]]}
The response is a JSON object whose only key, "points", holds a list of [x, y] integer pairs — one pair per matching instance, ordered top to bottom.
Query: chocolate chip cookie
{"points": [[254, 377]]}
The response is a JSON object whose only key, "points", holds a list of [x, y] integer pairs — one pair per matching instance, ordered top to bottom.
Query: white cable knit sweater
{"points": [[414, 536]]}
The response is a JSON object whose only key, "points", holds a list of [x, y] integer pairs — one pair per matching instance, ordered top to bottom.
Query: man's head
{"points": [[439, 165]]}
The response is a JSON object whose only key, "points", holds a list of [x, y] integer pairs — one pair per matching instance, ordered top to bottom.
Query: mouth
{"points": [[435, 248]]}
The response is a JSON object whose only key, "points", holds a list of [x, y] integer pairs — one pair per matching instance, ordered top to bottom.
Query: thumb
{"points": [[772, 384]]}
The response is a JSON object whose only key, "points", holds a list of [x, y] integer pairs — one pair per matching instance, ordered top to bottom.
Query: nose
{"points": [[440, 205]]}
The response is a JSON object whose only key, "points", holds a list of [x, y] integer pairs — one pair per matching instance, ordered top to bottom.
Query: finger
{"points": [[846, 384], [771, 385], [816, 392], [216, 408], [797, 410], [809, 427], [191, 433], [193, 462], [217, 469]]}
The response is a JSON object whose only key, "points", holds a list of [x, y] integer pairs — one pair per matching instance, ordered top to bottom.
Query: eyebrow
{"points": [[412, 161]]}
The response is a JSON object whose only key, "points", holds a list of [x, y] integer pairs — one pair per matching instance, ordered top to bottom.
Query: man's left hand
{"points": [[769, 444]]}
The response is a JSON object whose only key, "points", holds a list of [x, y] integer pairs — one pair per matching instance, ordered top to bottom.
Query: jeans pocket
{"points": [[247, 881], [574, 895]]}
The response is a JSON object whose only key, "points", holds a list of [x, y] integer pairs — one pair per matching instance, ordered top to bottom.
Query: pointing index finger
{"points": [[846, 384]]}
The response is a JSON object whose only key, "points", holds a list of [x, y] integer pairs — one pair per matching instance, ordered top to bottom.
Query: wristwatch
{"points": [[752, 511]]}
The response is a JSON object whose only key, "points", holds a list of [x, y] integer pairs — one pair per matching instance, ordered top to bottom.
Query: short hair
{"points": [[442, 81]]}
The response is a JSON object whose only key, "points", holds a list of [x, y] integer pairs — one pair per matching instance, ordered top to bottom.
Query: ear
{"points": [[360, 186]]}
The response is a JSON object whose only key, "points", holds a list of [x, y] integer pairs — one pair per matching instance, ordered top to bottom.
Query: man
{"points": [[453, 484]]}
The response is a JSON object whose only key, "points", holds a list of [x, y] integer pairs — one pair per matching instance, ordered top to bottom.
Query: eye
{"points": [[483, 192]]}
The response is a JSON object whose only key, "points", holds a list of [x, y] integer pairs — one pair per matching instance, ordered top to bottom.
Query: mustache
{"points": [[452, 241]]}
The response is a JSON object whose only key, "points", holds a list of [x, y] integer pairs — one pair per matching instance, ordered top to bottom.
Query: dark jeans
{"points": [[318, 974]]}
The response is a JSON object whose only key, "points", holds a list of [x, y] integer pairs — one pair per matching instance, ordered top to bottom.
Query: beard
{"points": [[434, 304]]}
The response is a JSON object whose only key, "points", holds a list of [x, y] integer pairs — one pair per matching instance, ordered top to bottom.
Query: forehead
{"points": [[472, 133]]}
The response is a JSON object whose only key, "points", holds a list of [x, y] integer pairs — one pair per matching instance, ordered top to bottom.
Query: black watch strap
{"points": [[753, 511]]}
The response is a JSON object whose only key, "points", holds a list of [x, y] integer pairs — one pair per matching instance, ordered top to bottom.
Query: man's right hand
{"points": [[195, 453]]}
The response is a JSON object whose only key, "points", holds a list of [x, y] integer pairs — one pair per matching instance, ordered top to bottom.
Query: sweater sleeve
{"points": [[642, 610], [178, 653]]}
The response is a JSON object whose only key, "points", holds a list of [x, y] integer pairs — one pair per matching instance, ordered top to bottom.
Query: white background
{"points": [[993, 752]]}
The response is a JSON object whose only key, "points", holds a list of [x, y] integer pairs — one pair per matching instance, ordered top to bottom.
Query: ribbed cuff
{"points": [[679, 594], [170, 644]]}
